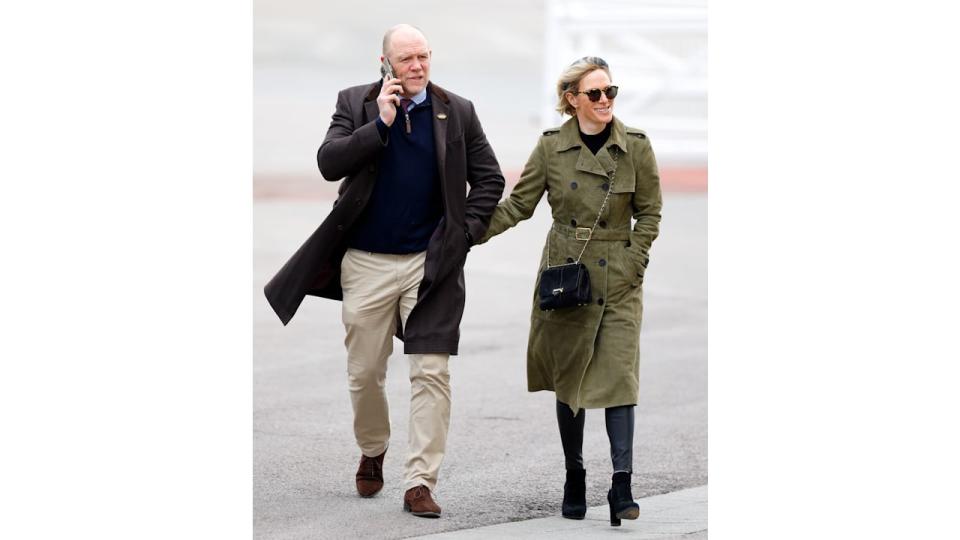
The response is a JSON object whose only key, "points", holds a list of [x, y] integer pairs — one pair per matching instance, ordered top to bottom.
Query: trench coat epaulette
{"points": [[552, 131], [636, 133]]}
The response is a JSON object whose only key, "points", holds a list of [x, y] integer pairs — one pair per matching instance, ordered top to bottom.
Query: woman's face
{"points": [[593, 112]]}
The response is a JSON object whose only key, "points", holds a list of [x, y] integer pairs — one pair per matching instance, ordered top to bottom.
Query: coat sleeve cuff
{"points": [[382, 130]]}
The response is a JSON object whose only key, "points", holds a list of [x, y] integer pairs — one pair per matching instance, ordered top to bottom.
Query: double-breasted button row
{"points": [[605, 186]]}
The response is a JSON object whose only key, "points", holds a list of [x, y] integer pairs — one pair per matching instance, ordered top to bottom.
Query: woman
{"points": [[589, 355]]}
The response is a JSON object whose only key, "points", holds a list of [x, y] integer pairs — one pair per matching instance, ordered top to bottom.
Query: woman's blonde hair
{"points": [[571, 77]]}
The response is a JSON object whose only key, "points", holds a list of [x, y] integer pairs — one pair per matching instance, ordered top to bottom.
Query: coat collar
{"points": [[569, 136], [602, 163]]}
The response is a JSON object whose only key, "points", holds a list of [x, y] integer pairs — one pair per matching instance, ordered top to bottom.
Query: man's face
{"points": [[410, 56]]}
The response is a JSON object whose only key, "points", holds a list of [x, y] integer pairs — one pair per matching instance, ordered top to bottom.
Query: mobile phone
{"points": [[386, 68]]}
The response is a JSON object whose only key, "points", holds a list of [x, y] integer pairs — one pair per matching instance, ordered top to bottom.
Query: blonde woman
{"points": [[603, 188]]}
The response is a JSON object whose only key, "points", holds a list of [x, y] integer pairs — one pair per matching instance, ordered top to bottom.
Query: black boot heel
{"points": [[575, 494], [621, 501], [614, 520]]}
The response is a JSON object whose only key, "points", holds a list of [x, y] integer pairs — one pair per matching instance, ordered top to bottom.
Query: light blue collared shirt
{"points": [[419, 98]]}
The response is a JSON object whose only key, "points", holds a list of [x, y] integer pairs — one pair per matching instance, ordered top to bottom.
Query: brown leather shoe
{"points": [[370, 475], [417, 501]]}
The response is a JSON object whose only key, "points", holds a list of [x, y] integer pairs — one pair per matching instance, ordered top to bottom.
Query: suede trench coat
{"points": [[350, 151], [589, 355]]}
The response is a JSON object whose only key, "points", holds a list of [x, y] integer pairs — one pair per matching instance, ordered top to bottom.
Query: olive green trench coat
{"points": [[590, 355]]}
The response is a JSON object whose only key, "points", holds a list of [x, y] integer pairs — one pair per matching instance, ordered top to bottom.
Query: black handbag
{"points": [[568, 285]]}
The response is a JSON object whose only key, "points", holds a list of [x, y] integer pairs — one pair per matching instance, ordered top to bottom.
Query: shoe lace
{"points": [[368, 466]]}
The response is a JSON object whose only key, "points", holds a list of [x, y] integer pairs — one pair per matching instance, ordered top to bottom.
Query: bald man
{"points": [[393, 248]]}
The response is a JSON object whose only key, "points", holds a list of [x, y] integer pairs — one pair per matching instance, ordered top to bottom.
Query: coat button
{"points": [[573, 185], [605, 186], [573, 223], [602, 224], [628, 243], [569, 260], [602, 262], [635, 284], [600, 301]]}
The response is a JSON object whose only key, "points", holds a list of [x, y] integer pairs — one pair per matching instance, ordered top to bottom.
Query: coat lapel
{"points": [[371, 110], [441, 114], [570, 138], [617, 138], [587, 162]]}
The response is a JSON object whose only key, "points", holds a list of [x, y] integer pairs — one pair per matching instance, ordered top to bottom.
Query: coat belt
{"points": [[583, 233]]}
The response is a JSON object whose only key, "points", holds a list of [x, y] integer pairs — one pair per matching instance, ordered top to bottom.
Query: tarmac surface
{"points": [[504, 462], [681, 515]]}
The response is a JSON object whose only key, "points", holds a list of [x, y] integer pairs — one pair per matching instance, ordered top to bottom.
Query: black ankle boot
{"points": [[575, 494], [621, 499]]}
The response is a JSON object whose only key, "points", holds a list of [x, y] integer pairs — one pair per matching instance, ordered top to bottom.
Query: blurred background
{"points": [[503, 55], [504, 461]]}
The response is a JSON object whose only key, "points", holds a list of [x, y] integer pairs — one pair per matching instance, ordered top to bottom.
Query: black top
{"points": [[596, 142]]}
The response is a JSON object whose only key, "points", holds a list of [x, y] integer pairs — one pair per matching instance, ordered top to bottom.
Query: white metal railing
{"points": [[657, 51]]}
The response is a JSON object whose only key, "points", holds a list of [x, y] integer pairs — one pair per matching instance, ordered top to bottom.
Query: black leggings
{"points": [[619, 430]]}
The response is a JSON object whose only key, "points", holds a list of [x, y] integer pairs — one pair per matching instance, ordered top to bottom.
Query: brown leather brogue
{"points": [[370, 475], [417, 501]]}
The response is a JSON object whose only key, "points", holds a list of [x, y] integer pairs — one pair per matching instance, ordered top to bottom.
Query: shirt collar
{"points": [[420, 98]]}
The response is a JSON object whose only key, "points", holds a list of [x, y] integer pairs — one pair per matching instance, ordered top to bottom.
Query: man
{"points": [[393, 249]]}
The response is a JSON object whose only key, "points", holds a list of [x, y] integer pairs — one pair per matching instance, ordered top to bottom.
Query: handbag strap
{"points": [[613, 179]]}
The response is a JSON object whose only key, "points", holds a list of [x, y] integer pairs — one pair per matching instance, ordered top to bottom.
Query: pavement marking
{"points": [[661, 517]]}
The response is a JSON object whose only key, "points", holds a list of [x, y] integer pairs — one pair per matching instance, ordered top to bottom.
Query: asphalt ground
{"points": [[504, 461], [679, 515]]}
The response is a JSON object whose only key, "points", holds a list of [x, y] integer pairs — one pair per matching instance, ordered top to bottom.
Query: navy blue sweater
{"points": [[405, 206]]}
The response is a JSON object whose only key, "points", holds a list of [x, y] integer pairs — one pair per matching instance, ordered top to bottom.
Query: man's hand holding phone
{"points": [[389, 99]]}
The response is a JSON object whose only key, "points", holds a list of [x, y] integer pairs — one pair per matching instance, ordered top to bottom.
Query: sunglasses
{"points": [[594, 93]]}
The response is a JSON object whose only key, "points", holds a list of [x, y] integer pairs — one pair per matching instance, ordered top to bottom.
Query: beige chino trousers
{"points": [[375, 287]]}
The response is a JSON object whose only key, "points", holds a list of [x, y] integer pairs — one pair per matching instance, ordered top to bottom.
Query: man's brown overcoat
{"points": [[350, 151]]}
